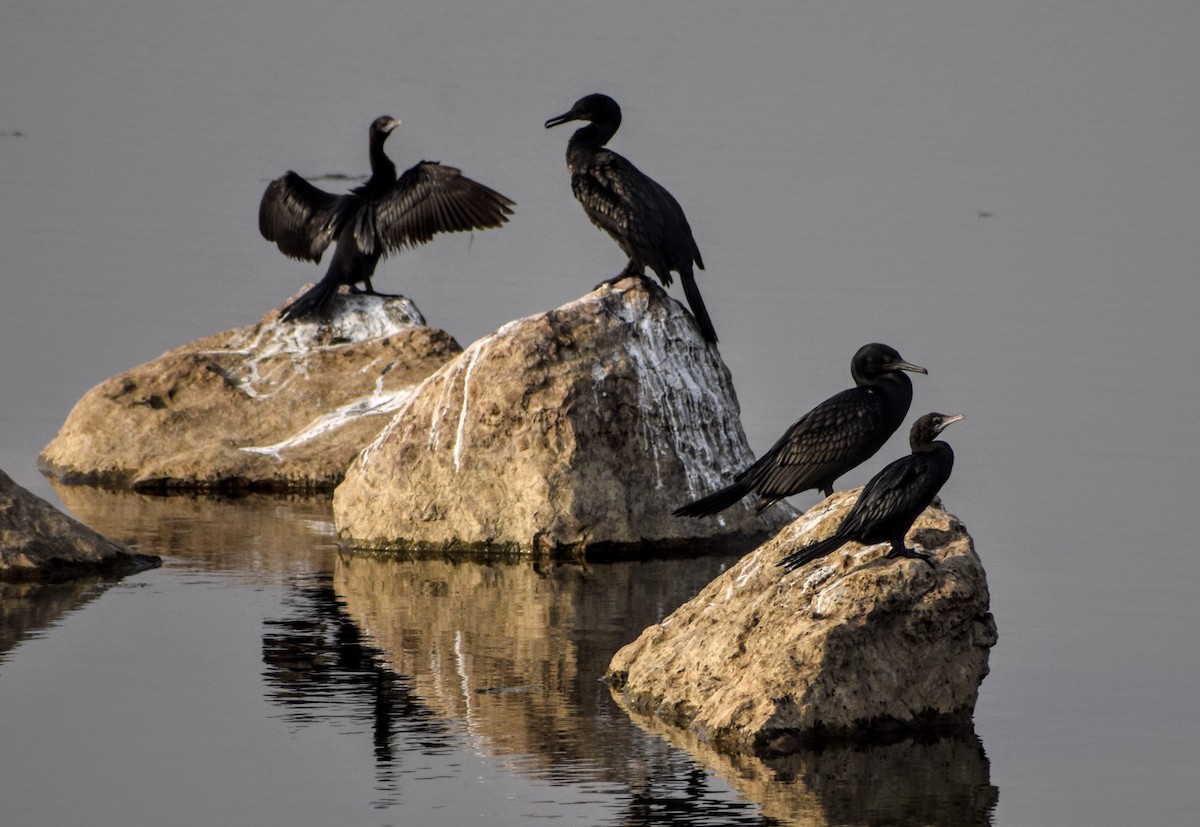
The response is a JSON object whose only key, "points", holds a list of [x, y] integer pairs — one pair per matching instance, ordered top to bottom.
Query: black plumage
{"points": [[382, 216], [641, 216], [839, 434], [891, 502]]}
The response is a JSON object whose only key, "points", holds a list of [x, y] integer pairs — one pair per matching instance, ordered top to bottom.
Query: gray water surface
{"points": [[1006, 192]]}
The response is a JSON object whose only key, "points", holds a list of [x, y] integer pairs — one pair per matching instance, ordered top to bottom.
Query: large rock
{"points": [[270, 406], [581, 428], [37, 541], [765, 660]]}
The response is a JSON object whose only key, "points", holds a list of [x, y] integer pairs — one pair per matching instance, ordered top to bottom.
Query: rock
{"points": [[270, 406], [577, 429], [37, 541], [764, 660]]}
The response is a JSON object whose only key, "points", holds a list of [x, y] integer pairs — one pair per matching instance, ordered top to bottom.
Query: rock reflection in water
{"points": [[271, 536], [27, 608], [515, 650], [319, 668], [942, 779]]}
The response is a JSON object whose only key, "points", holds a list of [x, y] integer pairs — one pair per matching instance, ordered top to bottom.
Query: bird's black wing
{"points": [[430, 199], [623, 202], [300, 218], [679, 243], [829, 440], [904, 486]]}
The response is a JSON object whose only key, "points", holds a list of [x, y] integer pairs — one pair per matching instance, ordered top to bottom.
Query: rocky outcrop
{"points": [[270, 406], [575, 430], [37, 541], [767, 660]]}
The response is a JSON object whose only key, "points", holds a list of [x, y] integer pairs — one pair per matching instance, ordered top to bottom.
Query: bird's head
{"points": [[596, 108], [383, 126], [874, 360], [929, 426]]}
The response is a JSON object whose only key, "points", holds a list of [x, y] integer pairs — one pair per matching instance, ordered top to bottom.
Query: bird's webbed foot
{"points": [[624, 274], [371, 291], [912, 554]]}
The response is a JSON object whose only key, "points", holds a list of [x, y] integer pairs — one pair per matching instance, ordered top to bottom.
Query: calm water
{"points": [[1007, 192]]}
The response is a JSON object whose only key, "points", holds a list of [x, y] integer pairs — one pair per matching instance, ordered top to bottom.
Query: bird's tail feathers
{"points": [[692, 291], [312, 302], [707, 506], [809, 553]]}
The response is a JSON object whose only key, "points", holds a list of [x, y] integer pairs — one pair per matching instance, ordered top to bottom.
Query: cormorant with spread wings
{"points": [[383, 216]]}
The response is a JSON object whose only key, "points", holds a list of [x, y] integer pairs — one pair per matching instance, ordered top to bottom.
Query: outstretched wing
{"points": [[430, 199], [298, 217], [829, 440]]}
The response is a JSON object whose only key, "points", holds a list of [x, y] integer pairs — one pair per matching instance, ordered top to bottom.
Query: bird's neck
{"points": [[594, 135], [382, 168], [895, 384], [929, 445]]}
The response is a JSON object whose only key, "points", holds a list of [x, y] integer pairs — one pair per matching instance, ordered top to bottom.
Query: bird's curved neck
{"points": [[595, 135], [382, 168], [894, 383], [928, 445]]}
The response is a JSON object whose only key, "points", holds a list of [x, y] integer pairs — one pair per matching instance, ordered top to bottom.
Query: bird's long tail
{"points": [[692, 291], [312, 302], [706, 506], [809, 553]]}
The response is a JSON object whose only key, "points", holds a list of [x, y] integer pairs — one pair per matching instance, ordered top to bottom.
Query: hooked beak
{"points": [[565, 117], [391, 124], [909, 366], [950, 420]]}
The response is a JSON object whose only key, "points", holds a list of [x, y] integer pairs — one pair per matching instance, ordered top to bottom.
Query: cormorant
{"points": [[382, 216], [641, 216], [831, 439], [891, 502]]}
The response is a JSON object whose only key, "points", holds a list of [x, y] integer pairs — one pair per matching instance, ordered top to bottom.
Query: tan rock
{"points": [[269, 406], [581, 428], [37, 541], [765, 660]]}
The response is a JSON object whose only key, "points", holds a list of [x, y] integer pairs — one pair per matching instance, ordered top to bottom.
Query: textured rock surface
{"points": [[267, 406], [580, 428], [39, 541], [764, 660]]}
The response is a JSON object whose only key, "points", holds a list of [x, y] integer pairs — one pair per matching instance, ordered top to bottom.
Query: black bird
{"points": [[382, 216], [641, 216], [839, 434], [891, 502]]}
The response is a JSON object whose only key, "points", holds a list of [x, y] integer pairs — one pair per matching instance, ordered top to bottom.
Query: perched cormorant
{"points": [[382, 216], [641, 216], [839, 434], [891, 502]]}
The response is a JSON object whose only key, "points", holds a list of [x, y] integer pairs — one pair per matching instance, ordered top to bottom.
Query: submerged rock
{"points": [[270, 406], [577, 429], [37, 541], [766, 660]]}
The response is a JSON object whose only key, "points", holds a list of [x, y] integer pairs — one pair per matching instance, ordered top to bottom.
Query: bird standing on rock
{"points": [[640, 215], [382, 216], [841, 433], [891, 502]]}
